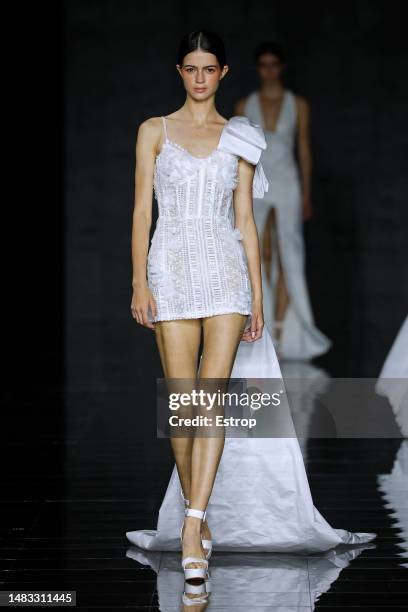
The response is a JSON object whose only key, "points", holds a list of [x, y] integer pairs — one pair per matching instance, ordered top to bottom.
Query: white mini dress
{"points": [[197, 265]]}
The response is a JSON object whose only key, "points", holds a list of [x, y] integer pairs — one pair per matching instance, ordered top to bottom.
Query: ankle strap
{"points": [[196, 513], [188, 560], [195, 589]]}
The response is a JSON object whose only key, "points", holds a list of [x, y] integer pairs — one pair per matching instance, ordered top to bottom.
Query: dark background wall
{"points": [[348, 60], [32, 338]]}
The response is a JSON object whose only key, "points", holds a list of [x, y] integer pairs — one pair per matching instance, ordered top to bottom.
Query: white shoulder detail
{"points": [[243, 138], [247, 140]]}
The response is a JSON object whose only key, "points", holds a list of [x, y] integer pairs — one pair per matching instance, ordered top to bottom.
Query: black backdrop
{"points": [[349, 60]]}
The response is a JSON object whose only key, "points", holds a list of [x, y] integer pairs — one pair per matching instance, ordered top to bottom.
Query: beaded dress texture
{"points": [[197, 265]]}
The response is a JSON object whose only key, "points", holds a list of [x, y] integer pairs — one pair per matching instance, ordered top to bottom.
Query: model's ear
{"points": [[178, 68], [224, 71]]}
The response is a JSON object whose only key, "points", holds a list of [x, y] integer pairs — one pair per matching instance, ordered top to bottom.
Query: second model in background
{"points": [[279, 216]]}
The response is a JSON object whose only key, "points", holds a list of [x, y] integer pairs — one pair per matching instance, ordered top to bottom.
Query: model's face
{"points": [[269, 68], [201, 74]]}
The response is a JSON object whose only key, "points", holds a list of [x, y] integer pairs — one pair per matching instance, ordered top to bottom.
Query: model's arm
{"points": [[240, 107], [146, 150], [304, 154], [245, 222]]}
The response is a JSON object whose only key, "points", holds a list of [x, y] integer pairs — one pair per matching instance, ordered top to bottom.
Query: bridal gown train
{"points": [[300, 338], [261, 499]]}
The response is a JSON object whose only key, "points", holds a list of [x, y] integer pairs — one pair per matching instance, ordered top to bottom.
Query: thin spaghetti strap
{"points": [[165, 129]]}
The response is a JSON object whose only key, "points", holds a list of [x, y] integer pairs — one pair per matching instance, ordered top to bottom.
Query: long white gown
{"points": [[300, 337], [261, 500]]}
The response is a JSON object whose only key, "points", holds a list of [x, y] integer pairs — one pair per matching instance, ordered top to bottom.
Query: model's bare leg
{"points": [[266, 243], [282, 295], [282, 298], [222, 334], [178, 342]]}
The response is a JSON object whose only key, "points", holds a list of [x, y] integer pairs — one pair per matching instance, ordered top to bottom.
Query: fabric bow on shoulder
{"points": [[246, 139]]}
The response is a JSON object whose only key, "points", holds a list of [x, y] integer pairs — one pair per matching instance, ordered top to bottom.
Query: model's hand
{"points": [[307, 208], [142, 300], [254, 332]]}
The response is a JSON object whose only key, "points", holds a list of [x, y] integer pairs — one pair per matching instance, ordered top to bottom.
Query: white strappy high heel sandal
{"points": [[206, 544], [194, 573], [201, 590]]}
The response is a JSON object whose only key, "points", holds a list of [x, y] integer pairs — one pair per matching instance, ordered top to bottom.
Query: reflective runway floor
{"points": [[65, 530]]}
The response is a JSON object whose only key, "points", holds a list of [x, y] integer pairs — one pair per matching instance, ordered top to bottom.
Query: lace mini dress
{"points": [[197, 265]]}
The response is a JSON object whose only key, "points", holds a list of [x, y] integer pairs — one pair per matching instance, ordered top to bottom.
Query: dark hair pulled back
{"points": [[204, 41]]}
